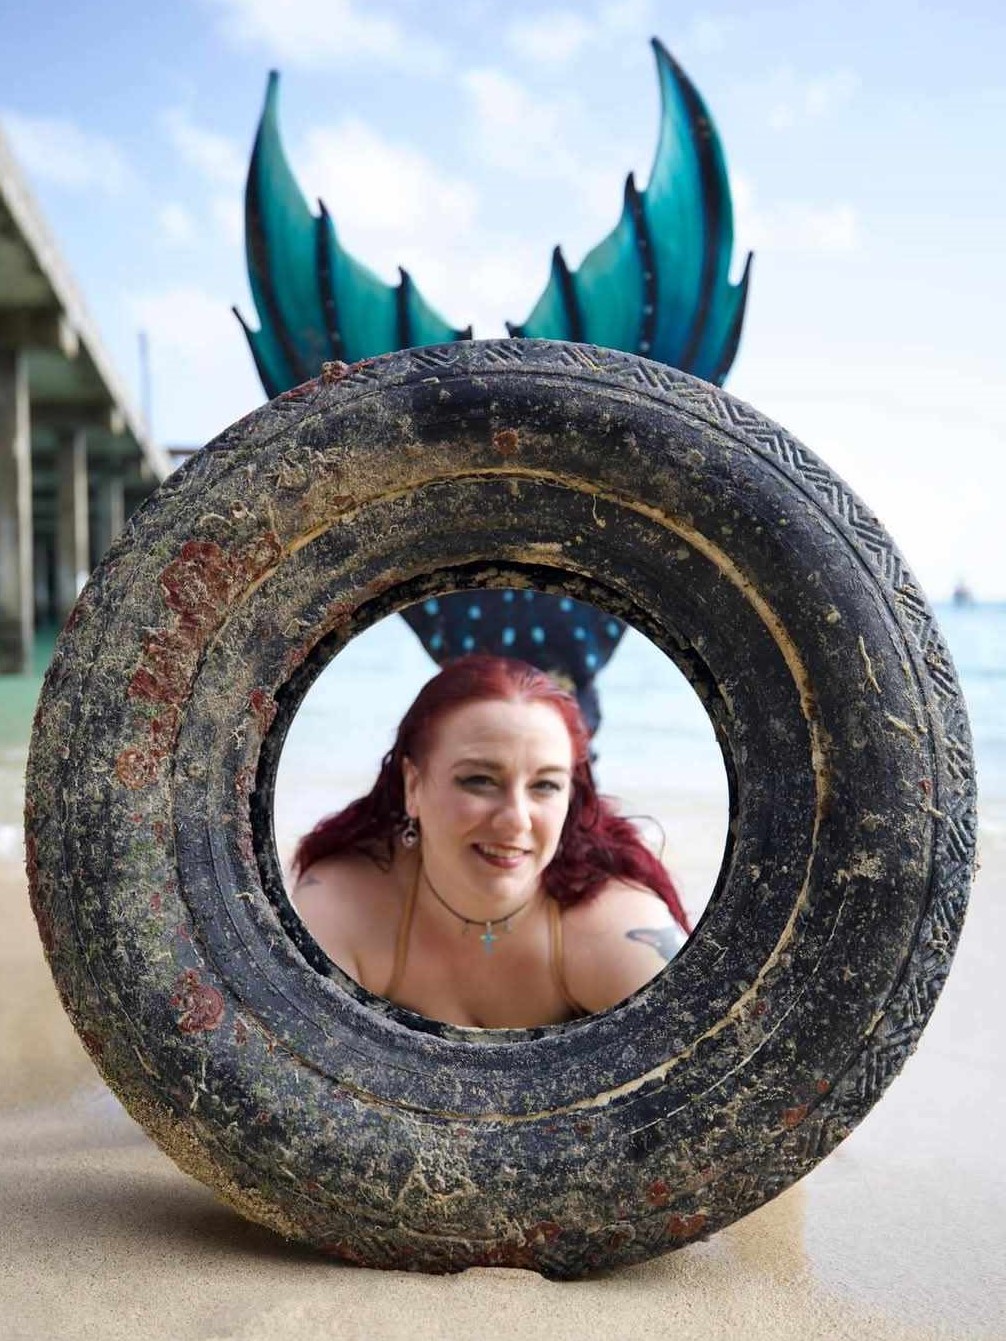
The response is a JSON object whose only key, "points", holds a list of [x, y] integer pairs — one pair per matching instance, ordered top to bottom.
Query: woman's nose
{"points": [[513, 815]]}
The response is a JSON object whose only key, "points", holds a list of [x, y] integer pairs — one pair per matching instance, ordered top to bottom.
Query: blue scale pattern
{"points": [[567, 638]]}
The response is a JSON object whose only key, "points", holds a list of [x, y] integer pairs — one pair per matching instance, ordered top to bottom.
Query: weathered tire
{"points": [[379, 1136]]}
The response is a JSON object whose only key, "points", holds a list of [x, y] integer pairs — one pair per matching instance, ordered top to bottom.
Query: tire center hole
{"points": [[655, 750]]}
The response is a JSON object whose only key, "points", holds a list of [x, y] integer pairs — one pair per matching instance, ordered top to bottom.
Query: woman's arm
{"points": [[616, 942]]}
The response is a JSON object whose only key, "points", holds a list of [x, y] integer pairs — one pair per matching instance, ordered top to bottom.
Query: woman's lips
{"points": [[503, 857]]}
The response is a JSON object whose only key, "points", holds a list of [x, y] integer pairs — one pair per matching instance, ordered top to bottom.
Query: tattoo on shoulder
{"points": [[665, 940]]}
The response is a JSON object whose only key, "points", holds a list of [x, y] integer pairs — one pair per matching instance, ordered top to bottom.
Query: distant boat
{"points": [[963, 596]]}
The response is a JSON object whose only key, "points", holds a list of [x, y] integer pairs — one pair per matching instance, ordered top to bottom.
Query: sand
{"points": [[901, 1233]]}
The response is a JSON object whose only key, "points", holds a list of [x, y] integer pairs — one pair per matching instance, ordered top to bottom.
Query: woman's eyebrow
{"points": [[494, 766]]}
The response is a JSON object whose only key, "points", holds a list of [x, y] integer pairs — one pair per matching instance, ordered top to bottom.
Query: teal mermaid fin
{"points": [[659, 284], [315, 302]]}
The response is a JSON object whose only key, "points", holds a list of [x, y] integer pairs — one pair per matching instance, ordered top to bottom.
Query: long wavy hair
{"points": [[597, 844]]}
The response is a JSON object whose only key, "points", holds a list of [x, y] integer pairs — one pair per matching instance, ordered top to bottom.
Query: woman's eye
{"points": [[478, 781], [548, 785]]}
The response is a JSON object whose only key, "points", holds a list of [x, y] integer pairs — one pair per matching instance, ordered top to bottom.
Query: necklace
{"points": [[488, 938]]}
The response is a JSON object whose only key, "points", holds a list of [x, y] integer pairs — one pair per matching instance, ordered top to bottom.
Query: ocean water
{"points": [[976, 635], [656, 750]]}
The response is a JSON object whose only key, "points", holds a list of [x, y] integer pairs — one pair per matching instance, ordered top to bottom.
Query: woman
{"points": [[483, 881]]}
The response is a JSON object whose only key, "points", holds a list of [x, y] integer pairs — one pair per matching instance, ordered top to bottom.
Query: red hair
{"points": [[597, 844]]}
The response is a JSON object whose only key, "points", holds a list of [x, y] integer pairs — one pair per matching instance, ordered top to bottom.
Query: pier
{"points": [[75, 456]]}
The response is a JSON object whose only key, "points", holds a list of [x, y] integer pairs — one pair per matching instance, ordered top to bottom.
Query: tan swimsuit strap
{"points": [[402, 941], [556, 955]]}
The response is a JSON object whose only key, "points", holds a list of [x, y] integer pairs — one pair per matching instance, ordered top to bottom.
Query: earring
{"points": [[410, 832]]}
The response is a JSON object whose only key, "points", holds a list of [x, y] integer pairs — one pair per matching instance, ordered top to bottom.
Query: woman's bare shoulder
{"points": [[347, 871], [342, 900], [619, 906], [616, 941]]}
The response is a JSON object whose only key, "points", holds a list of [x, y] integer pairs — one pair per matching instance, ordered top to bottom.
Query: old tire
{"points": [[378, 1136]]}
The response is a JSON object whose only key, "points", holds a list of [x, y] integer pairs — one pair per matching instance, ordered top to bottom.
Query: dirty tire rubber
{"points": [[378, 1136]]}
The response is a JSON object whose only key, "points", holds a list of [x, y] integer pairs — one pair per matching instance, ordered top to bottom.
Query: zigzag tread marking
{"points": [[576, 357], [434, 358], [651, 377], [663, 380], [704, 403], [739, 414], [778, 444], [832, 491], [862, 521], [866, 523], [881, 554], [909, 595], [943, 680], [958, 760], [958, 840], [945, 913]]}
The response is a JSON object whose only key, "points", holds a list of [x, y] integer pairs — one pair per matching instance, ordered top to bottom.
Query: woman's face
{"points": [[491, 797]]}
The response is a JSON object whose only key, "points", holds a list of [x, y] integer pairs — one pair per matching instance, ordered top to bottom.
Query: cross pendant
{"points": [[488, 939]]}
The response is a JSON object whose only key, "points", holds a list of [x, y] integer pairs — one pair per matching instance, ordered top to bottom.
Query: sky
{"points": [[865, 145]]}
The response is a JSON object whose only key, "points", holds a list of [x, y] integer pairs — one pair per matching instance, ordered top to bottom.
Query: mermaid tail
{"points": [[657, 285], [570, 640]]}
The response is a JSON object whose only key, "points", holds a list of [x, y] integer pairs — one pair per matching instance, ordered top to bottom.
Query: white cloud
{"points": [[626, 16], [320, 33], [707, 35], [557, 36], [552, 38], [824, 95], [796, 102], [517, 131], [542, 138], [58, 150], [213, 155], [221, 163], [542, 163], [384, 190], [393, 206], [227, 213], [176, 225], [792, 225], [823, 228], [484, 279], [505, 284], [181, 319], [195, 342]]}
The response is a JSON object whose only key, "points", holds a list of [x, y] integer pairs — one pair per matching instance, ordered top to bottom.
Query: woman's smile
{"points": [[505, 858]]}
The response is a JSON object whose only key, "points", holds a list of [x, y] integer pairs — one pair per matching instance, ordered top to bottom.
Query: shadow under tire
{"points": [[379, 1136]]}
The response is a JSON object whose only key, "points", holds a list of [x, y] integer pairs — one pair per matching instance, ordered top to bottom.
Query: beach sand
{"points": [[899, 1234]]}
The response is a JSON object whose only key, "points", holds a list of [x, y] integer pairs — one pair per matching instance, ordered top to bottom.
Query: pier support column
{"points": [[109, 513], [73, 549], [17, 622]]}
